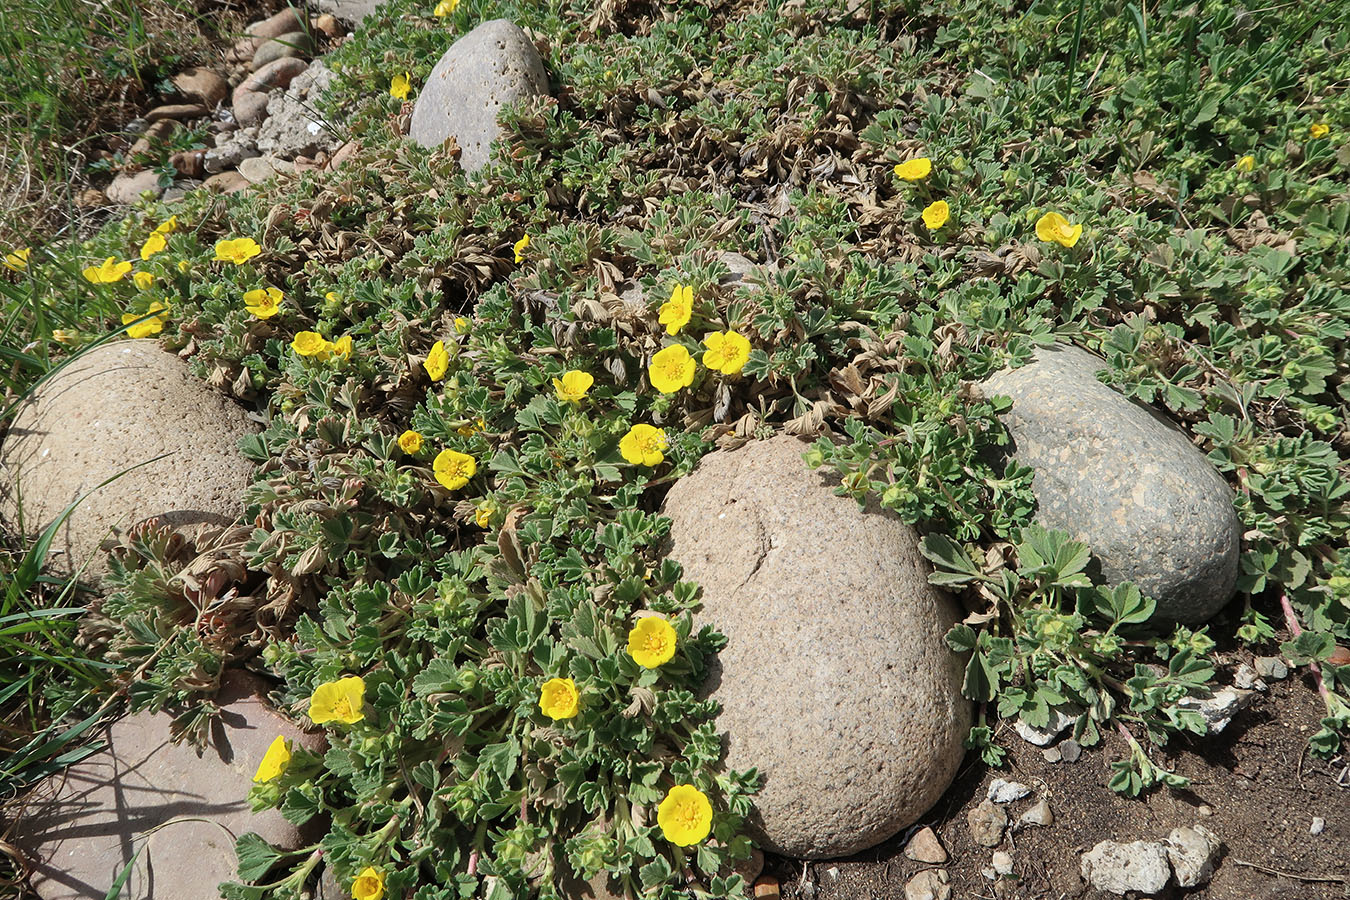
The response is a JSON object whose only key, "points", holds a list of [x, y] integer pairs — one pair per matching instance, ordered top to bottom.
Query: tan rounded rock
{"points": [[204, 85], [121, 404], [836, 683]]}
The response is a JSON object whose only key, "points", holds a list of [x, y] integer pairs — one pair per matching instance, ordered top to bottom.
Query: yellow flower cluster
{"points": [[1054, 228], [237, 250], [18, 260], [264, 303], [147, 327], [313, 344], [572, 387], [342, 701], [274, 761]]}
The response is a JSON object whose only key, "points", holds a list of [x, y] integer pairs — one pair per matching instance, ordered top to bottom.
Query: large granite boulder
{"points": [[490, 67], [121, 404], [1129, 483], [835, 682], [81, 827]]}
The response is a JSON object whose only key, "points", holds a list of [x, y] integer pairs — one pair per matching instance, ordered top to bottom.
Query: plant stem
{"points": [[1295, 629]]}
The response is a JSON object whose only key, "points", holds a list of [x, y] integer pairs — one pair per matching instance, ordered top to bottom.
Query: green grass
{"points": [[69, 72], [1216, 293]]}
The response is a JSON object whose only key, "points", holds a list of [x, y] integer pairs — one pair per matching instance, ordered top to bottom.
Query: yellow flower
{"points": [[445, 8], [399, 86], [1319, 129], [1246, 164], [914, 169], [936, 214], [168, 226], [1054, 228], [155, 243], [519, 247], [237, 251], [18, 260], [184, 265], [107, 272], [142, 280], [332, 297], [264, 302], [675, 312], [461, 325], [149, 326], [62, 336], [310, 343], [342, 347], [728, 352], [437, 361], [671, 369], [573, 385], [472, 428], [410, 442], [643, 445], [453, 469], [483, 515], [651, 642], [558, 698], [342, 701], [274, 761], [685, 816], [369, 885]]}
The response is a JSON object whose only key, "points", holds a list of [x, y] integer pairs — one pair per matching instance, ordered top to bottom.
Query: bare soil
{"points": [[1254, 785]]}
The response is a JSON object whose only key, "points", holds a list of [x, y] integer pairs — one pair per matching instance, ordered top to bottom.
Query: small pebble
{"points": [[1271, 667], [1245, 677], [1070, 751], [1052, 754], [1001, 791], [1204, 810], [1038, 815], [1319, 825], [1002, 862], [832, 873], [767, 889]]}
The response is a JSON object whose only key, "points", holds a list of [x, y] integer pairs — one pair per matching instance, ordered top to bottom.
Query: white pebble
{"points": [[1319, 825]]}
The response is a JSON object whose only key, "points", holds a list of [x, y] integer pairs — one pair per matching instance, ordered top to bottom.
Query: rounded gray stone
{"points": [[489, 68], [121, 404], [1121, 478], [835, 683]]}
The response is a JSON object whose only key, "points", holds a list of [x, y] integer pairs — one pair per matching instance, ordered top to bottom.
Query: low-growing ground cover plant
{"points": [[475, 391]]}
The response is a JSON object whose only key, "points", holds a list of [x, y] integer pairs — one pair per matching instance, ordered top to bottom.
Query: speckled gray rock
{"points": [[349, 10], [490, 67], [250, 97], [293, 126], [116, 406], [1124, 480], [835, 682], [83, 826], [1193, 850], [1118, 868]]}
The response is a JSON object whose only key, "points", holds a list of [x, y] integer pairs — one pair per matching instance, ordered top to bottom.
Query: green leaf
{"points": [[962, 638], [1308, 647], [980, 679], [256, 856]]}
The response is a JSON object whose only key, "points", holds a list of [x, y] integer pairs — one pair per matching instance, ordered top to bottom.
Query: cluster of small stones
{"points": [[258, 107], [753, 525]]}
